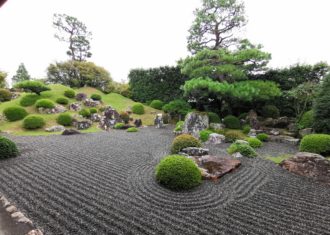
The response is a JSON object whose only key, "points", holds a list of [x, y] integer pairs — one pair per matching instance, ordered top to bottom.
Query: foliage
{"points": [[214, 24], [74, 32], [21, 74], [3, 76], [158, 83], [32, 86], [121, 88], [70, 93], [5, 95], [96, 97], [29, 100], [62, 100], [45, 103], [157, 104], [138, 108], [177, 108], [322, 108], [93, 110], [270, 111], [15, 113], [85, 113], [124, 116], [214, 118], [64, 119], [307, 120], [32, 122], [232, 122], [119, 125], [179, 126], [132, 129], [246, 129], [204, 135], [233, 135], [262, 137], [183, 141], [254, 142], [316, 143], [7, 148], [244, 149], [279, 159], [178, 173]]}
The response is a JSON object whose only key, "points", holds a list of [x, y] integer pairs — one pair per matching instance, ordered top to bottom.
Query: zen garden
{"points": [[221, 143]]}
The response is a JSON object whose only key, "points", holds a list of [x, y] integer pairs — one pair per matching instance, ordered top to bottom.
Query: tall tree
{"points": [[215, 24], [73, 31], [21, 74]]}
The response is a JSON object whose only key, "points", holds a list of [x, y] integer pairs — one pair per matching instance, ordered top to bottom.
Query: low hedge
{"points": [[70, 93], [5, 95], [96, 97], [29, 100], [62, 100], [45, 103], [157, 104], [138, 108], [15, 113], [85, 113], [214, 118], [64, 119], [32, 122], [232, 122], [119, 125], [132, 129], [246, 129], [204, 135], [233, 135], [263, 137], [183, 141], [254, 142], [316, 143], [7, 148], [244, 149]]}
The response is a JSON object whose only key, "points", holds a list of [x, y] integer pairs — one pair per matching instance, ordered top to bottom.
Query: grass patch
{"points": [[279, 159]]}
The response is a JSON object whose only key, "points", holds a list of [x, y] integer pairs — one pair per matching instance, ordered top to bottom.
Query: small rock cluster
{"points": [[91, 103], [75, 107], [57, 109], [109, 119]]}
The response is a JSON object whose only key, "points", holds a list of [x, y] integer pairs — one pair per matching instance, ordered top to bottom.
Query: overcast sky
{"points": [[148, 33]]}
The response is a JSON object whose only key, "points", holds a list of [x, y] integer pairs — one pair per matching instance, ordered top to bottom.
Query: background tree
{"points": [[214, 24], [73, 31], [21, 74], [3, 76]]}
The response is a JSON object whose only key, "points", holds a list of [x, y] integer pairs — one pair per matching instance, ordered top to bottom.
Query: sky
{"points": [[131, 34]]}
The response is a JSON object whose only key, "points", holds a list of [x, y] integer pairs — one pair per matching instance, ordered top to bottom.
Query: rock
{"points": [[15, 95], [81, 96], [91, 103], [75, 107], [57, 109], [95, 117], [109, 119], [252, 119], [159, 121], [195, 122], [269, 122], [282, 122], [138, 123], [82, 124], [217, 126], [292, 127], [55, 129], [306, 131], [71, 132], [274, 132], [176, 133], [252, 133], [287, 133], [215, 138], [284, 139], [241, 142], [194, 151], [237, 155], [310, 165], [4, 202], [11, 209], [17, 215], [24, 220], [35, 232]]}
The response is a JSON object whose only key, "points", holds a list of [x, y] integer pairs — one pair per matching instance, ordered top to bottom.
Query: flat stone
{"points": [[217, 126], [55, 129], [71, 132], [215, 138], [194, 151], [237, 155], [4, 201], [11, 209], [17, 215], [35, 232]]}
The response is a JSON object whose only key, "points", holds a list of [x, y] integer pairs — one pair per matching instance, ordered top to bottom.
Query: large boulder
{"points": [[95, 117], [109, 118], [252, 119], [195, 122], [81, 123], [215, 138], [310, 165]]}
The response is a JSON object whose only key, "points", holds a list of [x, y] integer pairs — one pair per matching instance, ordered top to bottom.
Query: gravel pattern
{"points": [[103, 183]]}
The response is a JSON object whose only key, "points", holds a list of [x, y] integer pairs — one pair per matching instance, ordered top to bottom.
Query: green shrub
{"points": [[32, 86], [70, 93], [5, 95], [96, 97], [29, 100], [62, 100], [45, 103], [157, 104], [138, 108], [177, 108], [322, 108], [93, 110], [270, 111], [15, 113], [85, 113], [124, 116], [242, 116], [214, 118], [64, 119], [307, 120], [32, 122], [232, 122], [119, 125], [179, 126], [132, 129], [246, 129], [204, 135], [233, 135], [262, 137], [183, 141], [254, 142], [316, 143], [7, 148], [244, 149], [178, 173]]}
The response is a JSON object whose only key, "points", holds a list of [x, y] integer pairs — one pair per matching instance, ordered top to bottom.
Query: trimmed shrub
{"points": [[32, 86], [70, 94], [5, 95], [81, 96], [96, 97], [29, 100], [62, 100], [45, 103], [157, 104], [138, 108], [93, 110], [270, 111], [15, 113], [85, 113], [124, 116], [214, 118], [64, 119], [306, 120], [32, 122], [232, 122], [119, 125], [179, 126], [132, 129], [246, 129], [204, 135], [233, 135], [262, 137], [183, 141], [254, 142], [316, 143], [7, 148], [244, 149], [178, 173]]}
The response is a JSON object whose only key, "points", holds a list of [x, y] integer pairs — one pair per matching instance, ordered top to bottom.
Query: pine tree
{"points": [[21, 74], [322, 108]]}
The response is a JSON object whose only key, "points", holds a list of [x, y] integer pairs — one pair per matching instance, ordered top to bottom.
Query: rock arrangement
{"points": [[91, 103], [75, 107], [57, 109], [109, 119], [195, 122], [215, 138]]}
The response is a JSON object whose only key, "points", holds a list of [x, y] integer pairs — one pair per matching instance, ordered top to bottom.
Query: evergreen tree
{"points": [[21, 74], [322, 108]]}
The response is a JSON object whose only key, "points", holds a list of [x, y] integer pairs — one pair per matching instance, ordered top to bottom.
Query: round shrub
{"points": [[70, 93], [5, 95], [81, 96], [96, 97], [29, 100], [62, 100], [45, 103], [157, 104], [138, 108], [93, 110], [270, 111], [15, 113], [85, 113], [124, 116], [214, 118], [64, 119], [307, 120], [32, 122], [232, 122], [119, 125], [179, 126], [132, 129], [246, 129], [204, 135], [233, 135], [262, 137], [183, 141], [254, 142], [316, 143], [7, 148], [244, 149], [178, 173]]}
